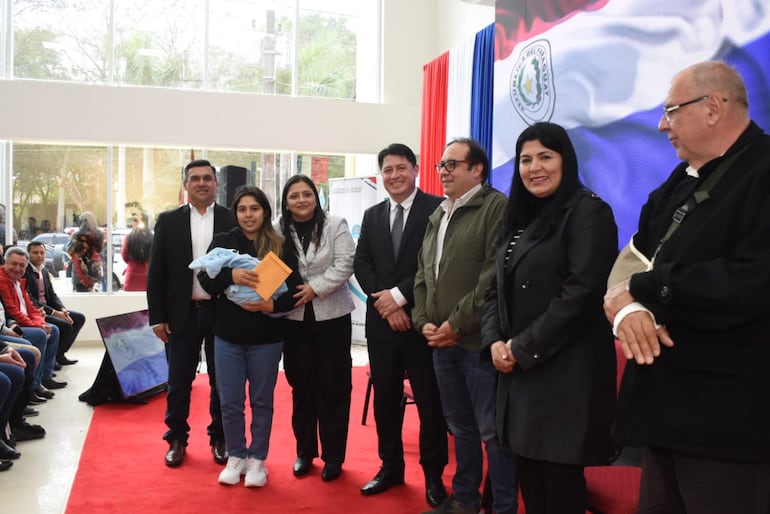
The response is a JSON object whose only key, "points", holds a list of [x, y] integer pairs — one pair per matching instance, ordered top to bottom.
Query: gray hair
{"points": [[16, 250]]}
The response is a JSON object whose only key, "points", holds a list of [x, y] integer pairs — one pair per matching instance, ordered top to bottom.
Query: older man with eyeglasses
{"points": [[695, 327]]}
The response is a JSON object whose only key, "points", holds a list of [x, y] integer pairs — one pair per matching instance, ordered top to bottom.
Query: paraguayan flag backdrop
{"points": [[601, 69]]}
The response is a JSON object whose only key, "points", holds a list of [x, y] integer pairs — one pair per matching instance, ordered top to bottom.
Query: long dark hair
{"points": [[523, 208], [287, 221], [267, 238], [139, 244]]}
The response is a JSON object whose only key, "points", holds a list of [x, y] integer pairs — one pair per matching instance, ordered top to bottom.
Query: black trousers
{"points": [[68, 332], [407, 352], [183, 354], [317, 362], [677, 484], [551, 488]]}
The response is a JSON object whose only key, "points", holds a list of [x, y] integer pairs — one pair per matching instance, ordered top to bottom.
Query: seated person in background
{"points": [[43, 296], [19, 306], [35, 340], [24, 356], [11, 384]]}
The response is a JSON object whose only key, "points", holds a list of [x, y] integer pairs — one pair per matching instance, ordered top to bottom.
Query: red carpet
{"points": [[122, 471]]}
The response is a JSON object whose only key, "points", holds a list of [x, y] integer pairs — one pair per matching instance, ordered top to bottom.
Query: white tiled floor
{"points": [[40, 481]]}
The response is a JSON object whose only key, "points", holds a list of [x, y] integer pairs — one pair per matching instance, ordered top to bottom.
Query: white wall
{"points": [[459, 20], [414, 33], [63, 112], [100, 305]]}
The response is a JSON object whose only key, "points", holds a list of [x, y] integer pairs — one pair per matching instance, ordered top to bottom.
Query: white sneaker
{"points": [[235, 467], [256, 473]]}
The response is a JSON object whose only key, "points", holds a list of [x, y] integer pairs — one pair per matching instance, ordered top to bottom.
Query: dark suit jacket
{"points": [[374, 265], [169, 280], [53, 302]]}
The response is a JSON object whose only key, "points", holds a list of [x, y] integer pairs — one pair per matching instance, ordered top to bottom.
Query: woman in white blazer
{"points": [[316, 354]]}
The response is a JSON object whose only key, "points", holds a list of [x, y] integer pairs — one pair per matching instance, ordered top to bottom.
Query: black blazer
{"points": [[374, 265], [169, 280], [53, 302], [558, 403]]}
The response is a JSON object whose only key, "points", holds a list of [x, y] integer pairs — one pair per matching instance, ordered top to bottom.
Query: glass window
{"points": [[62, 40], [160, 43], [251, 46], [284, 47], [326, 53], [54, 185]]}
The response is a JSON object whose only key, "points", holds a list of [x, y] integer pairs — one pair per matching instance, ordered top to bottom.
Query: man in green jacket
{"points": [[454, 269]]}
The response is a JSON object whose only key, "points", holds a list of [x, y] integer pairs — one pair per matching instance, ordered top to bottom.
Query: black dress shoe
{"points": [[64, 361], [57, 366], [50, 383], [43, 392], [34, 399], [30, 412], [27, 432], [219, 451], [7, 452], [175, 454], [5, 465], [302, 466], [331, 471], [382, 481], [435, 493]]}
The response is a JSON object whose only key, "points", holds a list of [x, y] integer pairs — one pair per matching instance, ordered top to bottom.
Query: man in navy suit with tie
{"points": [[385, 269], [181, 311]]}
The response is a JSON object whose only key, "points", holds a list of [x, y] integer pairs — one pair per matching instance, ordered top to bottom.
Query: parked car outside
{"points": [[56, 257]]}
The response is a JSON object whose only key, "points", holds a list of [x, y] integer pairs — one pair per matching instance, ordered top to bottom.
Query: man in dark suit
{"points": [[385, 268], [44, 297], [181, 312]]}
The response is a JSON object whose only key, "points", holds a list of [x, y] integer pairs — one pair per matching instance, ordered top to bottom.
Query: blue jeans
{"points": [[48, 347], [237, 363], [11, 384], [468, 386]]}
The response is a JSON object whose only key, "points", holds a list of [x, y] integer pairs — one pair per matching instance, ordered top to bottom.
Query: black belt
{"points": [[200, 304]]}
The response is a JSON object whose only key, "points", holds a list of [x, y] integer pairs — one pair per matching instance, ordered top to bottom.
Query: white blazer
{"points": [[327, 270]]}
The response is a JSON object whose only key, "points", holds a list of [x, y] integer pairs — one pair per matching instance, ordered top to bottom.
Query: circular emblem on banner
{"points": [[532, 88]]}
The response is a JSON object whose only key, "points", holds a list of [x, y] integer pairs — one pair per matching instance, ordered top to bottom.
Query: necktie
{"points": [[398, 229]]}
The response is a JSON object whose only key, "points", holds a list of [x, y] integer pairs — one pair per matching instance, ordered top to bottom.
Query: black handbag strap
{"points": [[699, 196]]}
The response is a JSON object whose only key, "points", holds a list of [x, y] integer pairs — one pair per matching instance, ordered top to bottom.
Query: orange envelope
{"points": [[272, 272]]}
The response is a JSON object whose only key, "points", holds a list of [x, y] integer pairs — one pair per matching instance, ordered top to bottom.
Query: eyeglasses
{"points": [[668, 111], [449, 165]]}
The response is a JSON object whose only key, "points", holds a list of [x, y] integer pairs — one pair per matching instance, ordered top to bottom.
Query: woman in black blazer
{"points": [[544, 326]]}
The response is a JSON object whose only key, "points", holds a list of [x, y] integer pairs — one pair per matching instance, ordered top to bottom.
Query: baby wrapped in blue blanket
{"points": [[218, 258]]}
